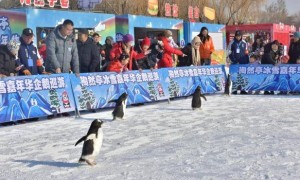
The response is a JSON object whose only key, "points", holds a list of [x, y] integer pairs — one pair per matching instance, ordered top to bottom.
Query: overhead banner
{"points": [[266, 77], [23, 97]]}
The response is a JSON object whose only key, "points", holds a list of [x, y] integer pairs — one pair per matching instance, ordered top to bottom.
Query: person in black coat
{"points": [[294, 50], [105, 52], [272, 56], [89, 57], [8, 59], [150, 59]]}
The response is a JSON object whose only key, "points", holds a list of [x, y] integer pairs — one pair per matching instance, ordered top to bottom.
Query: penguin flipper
{"points": [[203, 97], [113, 100], [80, 140]]}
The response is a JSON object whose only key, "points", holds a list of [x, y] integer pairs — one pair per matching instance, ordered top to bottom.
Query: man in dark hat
{"points": [[237, 50], [28, 55]]}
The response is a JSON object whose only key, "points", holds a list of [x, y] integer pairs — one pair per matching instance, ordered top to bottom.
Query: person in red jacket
{"points": [[126, 47], [167, 60], [119, 65]]}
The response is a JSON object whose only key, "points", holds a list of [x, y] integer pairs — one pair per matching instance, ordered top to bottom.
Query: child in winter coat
{"points": [[150, 60], [119, 65]]}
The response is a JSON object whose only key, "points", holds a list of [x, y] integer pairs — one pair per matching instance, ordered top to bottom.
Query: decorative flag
{"points": [[153, 7], [209, 13]]}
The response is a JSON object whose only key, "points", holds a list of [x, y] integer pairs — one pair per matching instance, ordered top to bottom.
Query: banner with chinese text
{"points": [[11, 25], [266, 77], [184, 80], [95, 90], [24, 97]]}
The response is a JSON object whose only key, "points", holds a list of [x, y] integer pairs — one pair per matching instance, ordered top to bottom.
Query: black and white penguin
{"points": [[228, 85], [196, 101], [120, 107], [92, 143]]}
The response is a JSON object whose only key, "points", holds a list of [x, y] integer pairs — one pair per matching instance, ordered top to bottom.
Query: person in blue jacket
{"points": [[237, 50], [238, 53], [28, 55]]}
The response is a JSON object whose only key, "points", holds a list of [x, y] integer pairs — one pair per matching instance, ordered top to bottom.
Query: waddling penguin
{"points": [[228, 86], [196, 101], [120, 107], [92, 143]]}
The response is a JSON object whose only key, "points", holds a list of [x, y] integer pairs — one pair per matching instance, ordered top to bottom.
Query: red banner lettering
{"points": [[52, 3], [64, 4], [167, 9]]}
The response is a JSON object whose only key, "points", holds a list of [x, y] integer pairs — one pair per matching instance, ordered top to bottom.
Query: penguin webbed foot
{"points": [[81, 160], [91, 163]]}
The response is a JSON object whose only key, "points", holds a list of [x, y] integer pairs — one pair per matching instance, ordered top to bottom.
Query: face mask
{"points": [[170, 38]]}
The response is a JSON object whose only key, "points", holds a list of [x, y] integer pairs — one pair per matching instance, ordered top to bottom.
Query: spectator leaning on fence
{"points": [[206, 46], [126, 47], [61, 49], [237, 50], [294, 50], [88, 52], [62, 54], [29, 56], [8, 59]]}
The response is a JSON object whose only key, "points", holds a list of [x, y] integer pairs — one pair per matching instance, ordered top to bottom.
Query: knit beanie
{"points": [[127, 38], [146, 41], [13, 46]]}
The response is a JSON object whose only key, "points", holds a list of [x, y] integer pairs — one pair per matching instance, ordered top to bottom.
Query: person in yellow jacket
{"points": [[206, 47]]}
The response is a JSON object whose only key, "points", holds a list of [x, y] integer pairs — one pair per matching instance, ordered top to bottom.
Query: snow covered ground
{"points": [[237, 137]]}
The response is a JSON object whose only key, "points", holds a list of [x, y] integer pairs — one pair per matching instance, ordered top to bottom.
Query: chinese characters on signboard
{"points": [[41, 3], [171, 10], [193, 13], [256, 70], [193, 72], [113, 79], [29, 84]]}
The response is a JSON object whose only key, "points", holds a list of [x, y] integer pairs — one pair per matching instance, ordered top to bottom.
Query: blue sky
{"points": [[293, 6]]}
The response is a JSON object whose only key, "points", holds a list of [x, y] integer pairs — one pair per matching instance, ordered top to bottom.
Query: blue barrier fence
{"points": [[266, 77], [25, 97]]}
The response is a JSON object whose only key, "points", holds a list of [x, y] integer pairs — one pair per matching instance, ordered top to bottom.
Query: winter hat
{"points": [[84, 31], [27, 32], [168, 33], [238, 33], [297, 34], [127, 38], [111, 39], [146, 41], [13, 46]]}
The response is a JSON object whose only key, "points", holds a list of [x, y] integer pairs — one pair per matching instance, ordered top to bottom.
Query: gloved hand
{"points": [[26, 72], [45, 72]]}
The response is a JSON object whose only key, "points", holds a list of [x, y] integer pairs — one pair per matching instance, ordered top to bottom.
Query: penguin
{"points": [[228, 85], [196, 101], [120, 107], [92, 143]]}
